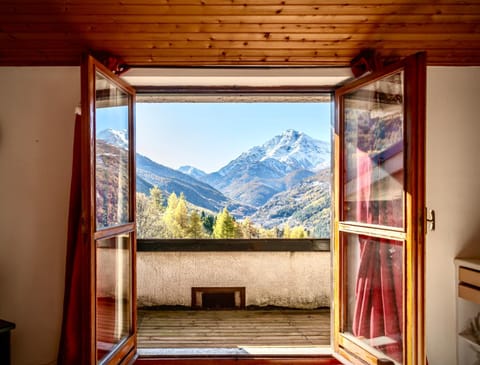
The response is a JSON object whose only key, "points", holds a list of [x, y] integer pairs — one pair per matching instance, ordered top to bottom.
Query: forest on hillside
{"points": [[176, 218]]}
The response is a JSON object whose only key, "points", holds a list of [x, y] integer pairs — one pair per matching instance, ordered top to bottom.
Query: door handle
{"points": [[430, 218]]}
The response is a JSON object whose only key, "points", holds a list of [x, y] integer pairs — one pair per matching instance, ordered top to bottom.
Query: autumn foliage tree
{"points": [[149, 214], [176, 216], [178, 219], [195, 226], [225, 226]]}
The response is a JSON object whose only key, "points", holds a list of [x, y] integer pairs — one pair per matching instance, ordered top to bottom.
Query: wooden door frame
{"points": [[415, 267]]}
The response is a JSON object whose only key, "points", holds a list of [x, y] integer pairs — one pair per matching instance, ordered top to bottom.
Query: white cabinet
{"points": [[468, 309]]}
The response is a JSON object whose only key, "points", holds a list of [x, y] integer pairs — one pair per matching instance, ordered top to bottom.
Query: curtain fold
{"points": [[70, 348]]}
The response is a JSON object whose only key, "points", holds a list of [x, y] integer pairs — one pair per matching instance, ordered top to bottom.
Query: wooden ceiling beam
{"points": [[344, 3], [243, 9], [242, 19], [94, 29], [238, 32], [271, 37], [195, 46], [239, 53], [74, 60]]}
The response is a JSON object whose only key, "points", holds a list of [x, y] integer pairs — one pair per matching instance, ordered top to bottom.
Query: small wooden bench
{"points": [[227, 297]]}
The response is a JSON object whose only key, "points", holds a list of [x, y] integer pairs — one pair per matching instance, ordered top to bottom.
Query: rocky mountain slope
{"points": [[284, 181]]}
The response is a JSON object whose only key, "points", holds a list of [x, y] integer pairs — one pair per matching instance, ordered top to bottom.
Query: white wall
{"points": [[36, 127], [36, 140], [453, 191], [284, 279]]}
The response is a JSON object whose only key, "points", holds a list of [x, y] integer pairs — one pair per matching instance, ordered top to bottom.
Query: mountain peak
{"points": [[292, 132], [115, 137], [297, 150], [192, 171], [262, 171]]}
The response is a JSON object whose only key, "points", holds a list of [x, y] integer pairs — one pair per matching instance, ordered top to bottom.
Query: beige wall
{"points": [[36, 126], [36, 131], [453, 191], [285, 279]]}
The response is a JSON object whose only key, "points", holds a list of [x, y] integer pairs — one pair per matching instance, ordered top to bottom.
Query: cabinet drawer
{"points": [[469, 276], [469, 293]]}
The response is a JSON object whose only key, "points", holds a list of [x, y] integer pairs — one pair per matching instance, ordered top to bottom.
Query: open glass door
{"points": [[108, 140], [379, 216]]}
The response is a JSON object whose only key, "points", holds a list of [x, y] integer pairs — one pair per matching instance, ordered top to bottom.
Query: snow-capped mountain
{"points": [[115, 137], [292, 150], [297, 150], [192, 171], [150, 173], [256, 175], [285, 180]]}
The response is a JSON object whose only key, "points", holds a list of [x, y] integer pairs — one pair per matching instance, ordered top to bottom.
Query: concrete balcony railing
{"points": [[285, 273]]}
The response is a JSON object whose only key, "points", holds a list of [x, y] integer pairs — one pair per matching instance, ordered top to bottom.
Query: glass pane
{"points": [[374, 145], [112, 151], [113, 292], [375, 293]]}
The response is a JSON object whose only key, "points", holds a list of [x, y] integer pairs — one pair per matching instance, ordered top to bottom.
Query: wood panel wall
{"points": [[237, 32]]}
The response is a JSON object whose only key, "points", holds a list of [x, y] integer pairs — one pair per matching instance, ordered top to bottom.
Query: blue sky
{"points": [[209, 135]]}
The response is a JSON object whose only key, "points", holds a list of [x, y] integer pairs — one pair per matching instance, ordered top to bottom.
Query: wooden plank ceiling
{"points": [[237, 32]]}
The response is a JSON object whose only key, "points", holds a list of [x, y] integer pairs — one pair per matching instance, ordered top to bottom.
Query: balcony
{"points": [[277, 293]]}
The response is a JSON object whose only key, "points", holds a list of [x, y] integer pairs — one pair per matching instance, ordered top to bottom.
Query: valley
{"points": [[285, 181]]}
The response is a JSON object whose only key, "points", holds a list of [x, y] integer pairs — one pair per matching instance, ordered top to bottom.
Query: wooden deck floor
{"points": [[232, 328]]}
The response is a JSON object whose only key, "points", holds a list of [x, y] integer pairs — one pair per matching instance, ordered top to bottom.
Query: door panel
{"points": [[108, 118], [379, 213]]}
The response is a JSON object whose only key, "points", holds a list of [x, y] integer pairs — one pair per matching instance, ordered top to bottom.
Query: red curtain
{"points": [[378, 290], [70, 350]]}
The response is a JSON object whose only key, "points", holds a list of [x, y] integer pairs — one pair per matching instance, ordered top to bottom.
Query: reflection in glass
{"points": [[111, 150], [374, 163], [113, 292], [375, 293]]}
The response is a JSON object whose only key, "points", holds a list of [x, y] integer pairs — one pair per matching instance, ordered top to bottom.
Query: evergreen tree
{"points": [[208, 222]]}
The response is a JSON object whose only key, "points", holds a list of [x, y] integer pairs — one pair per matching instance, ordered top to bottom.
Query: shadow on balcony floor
{"points": [[177, 329]]}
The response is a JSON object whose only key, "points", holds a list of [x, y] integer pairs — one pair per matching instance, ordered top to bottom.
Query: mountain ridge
{"points": [[259, 173], [173, 181], [283, 181]]}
